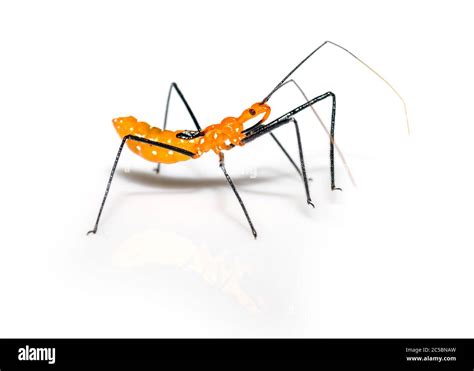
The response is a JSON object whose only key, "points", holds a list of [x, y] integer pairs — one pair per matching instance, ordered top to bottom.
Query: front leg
{"points": [[257, 131]]}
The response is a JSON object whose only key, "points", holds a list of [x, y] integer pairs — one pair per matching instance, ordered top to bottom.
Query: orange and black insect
{"points": [[165, 146]]}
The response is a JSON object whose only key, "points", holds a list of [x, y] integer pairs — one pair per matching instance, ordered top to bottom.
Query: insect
{"points": [[168, 147]]}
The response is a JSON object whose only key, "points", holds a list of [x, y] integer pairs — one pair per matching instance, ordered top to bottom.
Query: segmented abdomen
{"points": [[130, 126]]}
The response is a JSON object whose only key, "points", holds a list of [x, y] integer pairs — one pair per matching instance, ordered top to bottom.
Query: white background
{"points": [[174, 256]]}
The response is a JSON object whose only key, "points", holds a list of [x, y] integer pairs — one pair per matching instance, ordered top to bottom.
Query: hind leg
{"points": [[188, 108], [114, 167]]}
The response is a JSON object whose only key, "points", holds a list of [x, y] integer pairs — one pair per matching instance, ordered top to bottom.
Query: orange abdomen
{"points": [[130, 126]]}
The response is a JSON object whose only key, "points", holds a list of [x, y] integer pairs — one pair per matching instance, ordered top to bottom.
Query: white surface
{"points": [[173, 256]]}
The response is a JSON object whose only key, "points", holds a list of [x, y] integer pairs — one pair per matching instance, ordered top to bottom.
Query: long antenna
{"points": [[280, 84]]}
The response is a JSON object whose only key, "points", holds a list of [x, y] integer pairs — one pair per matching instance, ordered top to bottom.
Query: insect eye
{"points": [[252, 111]]}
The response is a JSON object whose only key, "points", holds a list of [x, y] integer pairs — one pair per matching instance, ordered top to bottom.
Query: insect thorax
{"points": [[222, 136]]}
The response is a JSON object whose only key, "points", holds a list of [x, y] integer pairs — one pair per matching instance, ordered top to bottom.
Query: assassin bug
{"points": [[165, 146]]}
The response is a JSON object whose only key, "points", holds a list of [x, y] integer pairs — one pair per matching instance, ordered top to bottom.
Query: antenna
{"points": [[282, 82]]}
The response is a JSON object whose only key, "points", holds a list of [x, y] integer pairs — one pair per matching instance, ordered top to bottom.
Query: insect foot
{"points": [[157, 168], [336, 189], [311, 203], [92, 231], [254, 232]]}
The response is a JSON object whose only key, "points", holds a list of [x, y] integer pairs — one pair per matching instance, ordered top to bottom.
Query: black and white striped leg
{"points": [[188, 108], [259, 130], [114, 167], [303, 167], [231, 183]]}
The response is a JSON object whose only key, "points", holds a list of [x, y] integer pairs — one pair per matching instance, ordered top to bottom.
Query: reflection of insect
{"points": [[165, 146]]}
